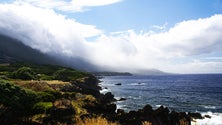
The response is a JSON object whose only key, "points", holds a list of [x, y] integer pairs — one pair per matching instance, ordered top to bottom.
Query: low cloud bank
{"points": [[188, 47]]}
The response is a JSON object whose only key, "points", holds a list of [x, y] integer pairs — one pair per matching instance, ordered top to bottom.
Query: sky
{"points": [[176, 36]]}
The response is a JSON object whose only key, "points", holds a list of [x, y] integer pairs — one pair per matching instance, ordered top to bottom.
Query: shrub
{"points": [[24, 73], [68, 75], [3, 77], [45, 77], [48, 95], [45, 96], [16, 97], [42, 107], [62, 111], [95, 121], [146, 123]]}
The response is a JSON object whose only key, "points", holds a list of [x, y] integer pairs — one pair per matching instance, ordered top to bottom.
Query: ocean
{"points": [[183, 93]]}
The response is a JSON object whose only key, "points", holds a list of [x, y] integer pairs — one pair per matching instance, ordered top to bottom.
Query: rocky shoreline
{"points": [[43, 94], [160, 116]]}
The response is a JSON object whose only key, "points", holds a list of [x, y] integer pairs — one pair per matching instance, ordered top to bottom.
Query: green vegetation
{"points": [[27, 71], [24, 73], [68, 75], [32, 94], [16, 97], [42, 107]]}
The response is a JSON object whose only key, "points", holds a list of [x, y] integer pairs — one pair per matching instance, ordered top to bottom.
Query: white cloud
{"points": [[70, 6], [161, 28], [44, 29], [195, 37], [163, 50], [174, 50], [213, 58], [198, 66]]}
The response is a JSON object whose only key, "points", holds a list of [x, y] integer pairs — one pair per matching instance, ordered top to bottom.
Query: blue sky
{"points": [[143, 14], [178, 36]]}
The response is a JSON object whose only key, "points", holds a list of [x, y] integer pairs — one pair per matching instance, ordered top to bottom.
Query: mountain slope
{"points": [[12, 50], [152, 72]]}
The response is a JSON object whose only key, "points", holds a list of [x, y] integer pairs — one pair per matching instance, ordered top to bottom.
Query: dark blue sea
{"points": [[184, 93]]}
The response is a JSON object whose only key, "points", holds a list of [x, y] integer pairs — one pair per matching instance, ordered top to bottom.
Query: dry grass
{"points": [[4, 64], [50, 82], [33, 85], [41, 85], [80, 101], [63, 103], [79, 109], [38, 118], [95, 121], [184, 122], [146, 123]]}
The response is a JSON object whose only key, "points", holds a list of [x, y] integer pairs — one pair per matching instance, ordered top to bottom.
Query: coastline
{"points": [[54, 98], [158, 116], [195, 118]]}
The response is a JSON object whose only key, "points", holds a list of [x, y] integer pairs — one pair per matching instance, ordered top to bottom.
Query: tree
{"points": [[24, 73], [68, 75]]}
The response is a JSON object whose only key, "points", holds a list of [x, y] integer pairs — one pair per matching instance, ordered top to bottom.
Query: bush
{"points": [[24, 73], [68, 75], [3, 77], [45, 77], [48, 95], [44, 96], [16, 97], [42, 107], [62, 111], [95, 121]]}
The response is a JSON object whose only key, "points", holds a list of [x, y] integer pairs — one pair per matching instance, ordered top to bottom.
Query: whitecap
{"points": [[137, 84], [104, 90], [135, 97], [118, 98], [118, 106], [157, 106], [208, 106], [209, 119]]}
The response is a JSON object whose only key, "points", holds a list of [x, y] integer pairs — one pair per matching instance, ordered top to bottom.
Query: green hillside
{"points": [[44, 94]]}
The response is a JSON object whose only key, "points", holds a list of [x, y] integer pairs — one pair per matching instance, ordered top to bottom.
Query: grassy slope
{"points": [[37, 98]]}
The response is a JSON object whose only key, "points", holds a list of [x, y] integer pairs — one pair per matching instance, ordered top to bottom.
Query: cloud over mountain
{"points": [[178, 49]]}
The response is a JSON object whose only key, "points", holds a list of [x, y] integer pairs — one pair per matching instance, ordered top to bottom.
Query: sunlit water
{"points": [[184, 93]]}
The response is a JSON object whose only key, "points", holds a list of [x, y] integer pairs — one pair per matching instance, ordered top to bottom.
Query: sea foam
{"points": [[215, 119]]}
